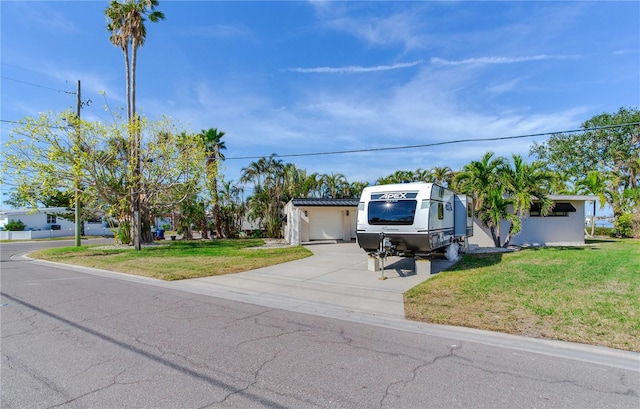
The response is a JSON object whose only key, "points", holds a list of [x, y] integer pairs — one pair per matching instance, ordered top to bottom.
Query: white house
{"points": [[307, 220], [47, 223], [564, 226]]}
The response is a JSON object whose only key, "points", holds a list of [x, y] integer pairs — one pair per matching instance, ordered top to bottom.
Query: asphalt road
{"points": [[76, 340]]}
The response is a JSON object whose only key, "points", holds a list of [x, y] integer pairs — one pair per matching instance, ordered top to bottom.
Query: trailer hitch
{"points": [[385, 249]]}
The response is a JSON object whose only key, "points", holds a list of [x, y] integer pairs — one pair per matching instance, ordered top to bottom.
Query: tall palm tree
{"points": [[128, 32], [213, 145]]}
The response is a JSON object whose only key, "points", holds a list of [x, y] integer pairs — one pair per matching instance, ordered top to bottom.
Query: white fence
{"points": [[49, 234]]}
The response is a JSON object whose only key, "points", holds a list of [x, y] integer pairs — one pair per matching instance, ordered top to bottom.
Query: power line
{"points": [[37, 85], [24, 123], [426, 145]]}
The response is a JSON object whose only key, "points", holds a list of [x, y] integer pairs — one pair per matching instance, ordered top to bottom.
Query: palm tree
{"points": [[128, 32], [213, 145], [423, 175], [442, 175], [268, 176], [479, 178], [525, 183], [334, 185], [356, 188], [495, 209]]}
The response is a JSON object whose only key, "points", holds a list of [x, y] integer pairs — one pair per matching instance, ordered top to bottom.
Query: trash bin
{"points": [[161, 234]]}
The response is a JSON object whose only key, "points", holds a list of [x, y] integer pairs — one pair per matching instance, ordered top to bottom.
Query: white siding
{"points": [[551, 230]]}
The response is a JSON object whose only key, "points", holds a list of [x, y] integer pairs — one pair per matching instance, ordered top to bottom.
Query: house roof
{"points": [[586, 198], [325, 202], [14, 212]]}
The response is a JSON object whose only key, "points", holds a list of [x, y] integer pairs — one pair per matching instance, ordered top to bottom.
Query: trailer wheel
{"points": [[451, 252]]}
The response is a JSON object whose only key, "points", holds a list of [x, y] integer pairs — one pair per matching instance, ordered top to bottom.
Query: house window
{"points": [[560, 209], [51, 219]]}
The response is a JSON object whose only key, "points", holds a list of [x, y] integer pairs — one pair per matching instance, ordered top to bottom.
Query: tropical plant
{"points": [[128, 32], [610, 144], [213, 145], [171, 169], [442, 175], [480, 178], [524, 183], [334, 185], [356, 188], [265, 205], [497, 207], [232, 209], [15, 225]]}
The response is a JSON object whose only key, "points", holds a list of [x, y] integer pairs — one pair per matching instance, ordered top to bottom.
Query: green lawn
{"points": [[178, 260], [585, 294]]}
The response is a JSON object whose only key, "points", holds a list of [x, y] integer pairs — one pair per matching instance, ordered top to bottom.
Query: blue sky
{"points": [[304, 77]]}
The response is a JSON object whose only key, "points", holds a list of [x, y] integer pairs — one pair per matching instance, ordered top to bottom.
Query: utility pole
{"points": [[78, 219]]}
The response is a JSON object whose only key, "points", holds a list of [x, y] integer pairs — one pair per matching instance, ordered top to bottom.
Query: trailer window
{"points": [[440, 211], [395, 213]]}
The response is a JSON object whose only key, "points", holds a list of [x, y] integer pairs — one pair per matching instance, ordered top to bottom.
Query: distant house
{"points": [[307, 220], [47, 223]]}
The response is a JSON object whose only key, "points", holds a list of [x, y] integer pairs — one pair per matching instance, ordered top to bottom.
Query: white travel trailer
{"points": [[412, 219]]}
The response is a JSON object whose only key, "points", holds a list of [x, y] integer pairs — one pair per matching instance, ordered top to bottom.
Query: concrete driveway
{"points": [[335, 277]]}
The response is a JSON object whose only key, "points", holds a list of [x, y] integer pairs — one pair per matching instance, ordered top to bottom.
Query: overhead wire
{"points": [[37, 85], [426, 145]]}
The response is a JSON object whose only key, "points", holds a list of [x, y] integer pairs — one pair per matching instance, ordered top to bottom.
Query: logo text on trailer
{"points": [[393, 195]]}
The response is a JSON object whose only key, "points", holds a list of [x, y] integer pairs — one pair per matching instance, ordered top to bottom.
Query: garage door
{"points": [[325, 225]]}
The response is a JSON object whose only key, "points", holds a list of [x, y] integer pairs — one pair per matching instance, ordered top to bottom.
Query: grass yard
{"points": [[178, 260], [588, 294]]}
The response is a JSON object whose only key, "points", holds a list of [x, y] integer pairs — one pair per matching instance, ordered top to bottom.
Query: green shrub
{"points": [[14, 225], [624, 225], [604, 231], [124, 233]]}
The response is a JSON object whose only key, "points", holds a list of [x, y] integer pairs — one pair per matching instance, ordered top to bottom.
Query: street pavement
{"points": [[75, 337]]}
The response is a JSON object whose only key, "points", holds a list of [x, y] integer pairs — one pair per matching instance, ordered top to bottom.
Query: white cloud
{"points": [[405, 28], [500, 60], [355, 69]]}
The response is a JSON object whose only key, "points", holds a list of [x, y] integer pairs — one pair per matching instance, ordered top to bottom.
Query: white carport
{"points": [[312, 219]]}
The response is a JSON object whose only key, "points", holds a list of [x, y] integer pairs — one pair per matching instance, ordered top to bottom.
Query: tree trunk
{"points": [[216, 201], [136, 223], [204, 229], [495, 233]]}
